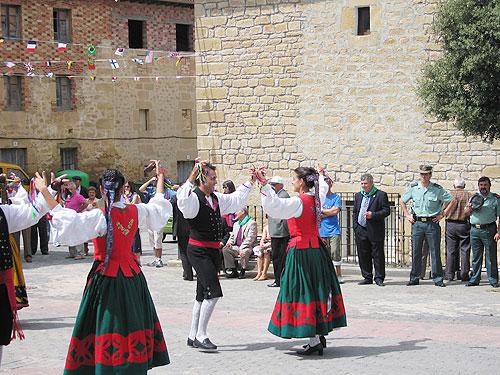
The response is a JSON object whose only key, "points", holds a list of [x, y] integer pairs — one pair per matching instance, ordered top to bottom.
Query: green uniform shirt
{"points": [[427, 202], [488, 212]]}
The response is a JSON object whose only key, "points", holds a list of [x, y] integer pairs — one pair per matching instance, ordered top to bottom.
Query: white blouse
{"points": [[189, 204], [286, 208], [21, 214], [74, 228]]}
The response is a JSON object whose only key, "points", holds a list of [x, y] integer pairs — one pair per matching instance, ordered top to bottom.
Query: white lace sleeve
{"points": [[280, 208], [155, 214]]}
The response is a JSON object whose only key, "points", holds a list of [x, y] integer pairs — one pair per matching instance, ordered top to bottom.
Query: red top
{"points": [[124, 229], [304, 230]]}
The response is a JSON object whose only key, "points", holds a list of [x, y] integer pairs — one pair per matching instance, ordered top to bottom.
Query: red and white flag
{"points": [[31, 46], [61, 47], [149, 57]]}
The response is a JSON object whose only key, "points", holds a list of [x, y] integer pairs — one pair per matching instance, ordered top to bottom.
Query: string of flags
{"points": [[113, 78]]}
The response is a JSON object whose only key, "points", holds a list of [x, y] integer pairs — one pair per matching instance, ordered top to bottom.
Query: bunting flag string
{"points": [[32, 45], [113, 78]]}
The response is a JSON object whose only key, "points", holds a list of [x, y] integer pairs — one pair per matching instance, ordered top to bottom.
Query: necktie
{"points": [[362, 211], [239, 237]]}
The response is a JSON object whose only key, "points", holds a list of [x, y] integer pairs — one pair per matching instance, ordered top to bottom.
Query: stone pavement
{"points": [[391, 330]]}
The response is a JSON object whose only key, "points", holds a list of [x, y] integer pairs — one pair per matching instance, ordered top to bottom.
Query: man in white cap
{"points": [[278, 230]]}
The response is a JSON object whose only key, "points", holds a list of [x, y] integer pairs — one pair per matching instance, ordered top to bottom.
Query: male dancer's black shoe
{"points": [[242, 274], [412, 283], [274, 285], [322, 340], [190, 342], [205, 345], [311, 350]]}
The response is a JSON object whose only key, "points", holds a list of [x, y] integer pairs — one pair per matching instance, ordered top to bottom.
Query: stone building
{"points": [[290, 82], [71, 120]]}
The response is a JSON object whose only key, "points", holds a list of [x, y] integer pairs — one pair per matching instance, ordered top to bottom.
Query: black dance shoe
{"points": [[233, 274], [242, 274], [379, 282], [412, 283], [440, 284], [471, 284], [274, 285], [322, 340], [190, 343], [206, 345], [312, 349]]}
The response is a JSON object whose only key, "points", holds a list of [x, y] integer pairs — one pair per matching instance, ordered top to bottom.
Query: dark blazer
{"points": [[379, 206], [180, 226]]}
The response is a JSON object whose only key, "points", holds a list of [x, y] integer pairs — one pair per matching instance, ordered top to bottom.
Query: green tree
{"points": [[463, 85]]}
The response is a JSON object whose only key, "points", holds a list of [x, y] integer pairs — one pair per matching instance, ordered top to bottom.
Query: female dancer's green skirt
{"points": [[309, 301], [117, 330]]}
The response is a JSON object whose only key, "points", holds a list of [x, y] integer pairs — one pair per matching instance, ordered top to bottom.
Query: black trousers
{"points": [[40, 228], [182, 245], [457, 250], [278, 252], [371, 256], [205, 262], [5, 316]]}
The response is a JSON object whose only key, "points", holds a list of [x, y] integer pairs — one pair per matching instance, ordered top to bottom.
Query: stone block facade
{"points": [[284, 83], [105, 124]]}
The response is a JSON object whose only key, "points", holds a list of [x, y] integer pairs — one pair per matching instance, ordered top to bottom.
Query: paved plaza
{"points": [[391, 330]]}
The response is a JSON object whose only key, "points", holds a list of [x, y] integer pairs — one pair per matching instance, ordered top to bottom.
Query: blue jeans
{"points": [[431, 231], [484, 240]]}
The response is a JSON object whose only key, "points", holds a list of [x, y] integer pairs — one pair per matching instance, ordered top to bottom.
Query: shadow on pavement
{"points": [[47, 323], [329, 352]]}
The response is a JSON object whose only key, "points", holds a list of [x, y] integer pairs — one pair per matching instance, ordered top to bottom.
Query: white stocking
{"points": [[207, 308], [195, 320], [313, 341]]}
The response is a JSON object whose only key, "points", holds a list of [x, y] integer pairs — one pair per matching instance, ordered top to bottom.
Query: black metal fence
{"points": [[395, 237]]}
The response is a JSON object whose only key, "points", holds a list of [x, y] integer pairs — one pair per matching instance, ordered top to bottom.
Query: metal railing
{"points": [[395, 237]]}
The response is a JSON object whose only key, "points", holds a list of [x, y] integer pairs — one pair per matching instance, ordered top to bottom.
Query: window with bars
{"points": [[11, 21], [364, 21], [62, 25], [137, 34], [183, 37], [13, 93], [64, 94], [13, 156], [69, 157]]}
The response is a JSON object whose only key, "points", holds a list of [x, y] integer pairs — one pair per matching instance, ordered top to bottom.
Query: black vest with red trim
{"points": [[207, 225], [6, 261]]}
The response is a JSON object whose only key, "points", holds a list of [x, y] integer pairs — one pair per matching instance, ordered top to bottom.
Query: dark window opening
{"points": [[11, 21], [364, 21], [62, 25], [136, 34], [183, 37], [13, 93], [64, 94], [144, 118], [14, 156], [69, 158]]}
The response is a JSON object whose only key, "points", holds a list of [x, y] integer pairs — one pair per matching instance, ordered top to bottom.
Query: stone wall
{"points": [[287, 83], [105, 124]]}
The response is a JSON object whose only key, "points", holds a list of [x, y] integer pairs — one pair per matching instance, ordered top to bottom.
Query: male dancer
{"points": [[203, 208]]}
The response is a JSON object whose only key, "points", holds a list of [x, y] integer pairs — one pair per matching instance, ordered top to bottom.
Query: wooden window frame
{"points": [[5, 11], [364, 21], [57, 24], [189, 37], [9, 83], [64, 94], [66, 165]]}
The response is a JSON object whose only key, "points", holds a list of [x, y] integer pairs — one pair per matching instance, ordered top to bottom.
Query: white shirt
{"points": [[189, 204], [286, 208], [74, 228]]}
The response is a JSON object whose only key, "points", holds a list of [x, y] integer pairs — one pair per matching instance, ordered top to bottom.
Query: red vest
{"points": [[124, 229], [304, 230]]}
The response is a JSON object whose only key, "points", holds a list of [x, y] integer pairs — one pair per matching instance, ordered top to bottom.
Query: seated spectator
{"points": [[92, 201], [240, 243], [263, 253]]}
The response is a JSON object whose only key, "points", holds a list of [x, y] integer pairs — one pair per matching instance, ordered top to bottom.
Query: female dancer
{"points": [[310, 302], [117, 329]]}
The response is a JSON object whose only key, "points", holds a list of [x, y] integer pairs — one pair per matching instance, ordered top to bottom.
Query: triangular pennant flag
{"points": [[31, 46], [61, 47], [119, 51], [149, 57], [138, 61], [178, 62], [48, 63], [10, 64], [70, 64], [91, 64], [114, 64], [29, 67], [50, 74], [92, 78], [113, 79]]}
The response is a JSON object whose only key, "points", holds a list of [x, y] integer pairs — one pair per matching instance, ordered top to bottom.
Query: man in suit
{"points": [[82, 190], [371, 207], [278, 230], [240, 243]]}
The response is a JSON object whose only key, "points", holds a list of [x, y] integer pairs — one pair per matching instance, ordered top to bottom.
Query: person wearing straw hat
{"points": [[429, 199]]}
